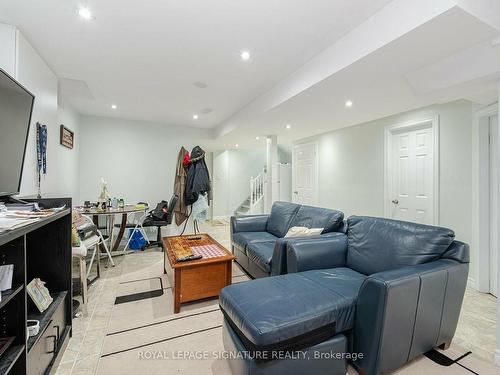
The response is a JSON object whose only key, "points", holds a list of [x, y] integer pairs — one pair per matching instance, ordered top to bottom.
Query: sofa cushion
{"points": [[282, 214], [316, 217], [242, 239], [378, 244], [261, 253], [341, 280], [272, 310]]}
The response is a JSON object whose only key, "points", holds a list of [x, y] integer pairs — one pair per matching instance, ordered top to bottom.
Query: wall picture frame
{"points": [[67, 137]]}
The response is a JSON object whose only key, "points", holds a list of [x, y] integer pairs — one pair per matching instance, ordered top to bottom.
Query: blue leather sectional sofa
{"points": [[258, 240], [380, 295]]}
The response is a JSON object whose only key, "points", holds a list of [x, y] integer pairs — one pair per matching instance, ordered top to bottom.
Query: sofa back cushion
{"points": [[282, 214], [316, 217], [378, 244]]}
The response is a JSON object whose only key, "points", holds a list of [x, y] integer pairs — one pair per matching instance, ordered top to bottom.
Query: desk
{"points": [[110, 213]]}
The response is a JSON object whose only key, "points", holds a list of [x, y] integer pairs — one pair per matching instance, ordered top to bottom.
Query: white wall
{"points": [[8, 48], [33, 73], [37, 77], [285, 153], [137, 159], [67, 162], [351, 167], [232, 172], [220, 183]]}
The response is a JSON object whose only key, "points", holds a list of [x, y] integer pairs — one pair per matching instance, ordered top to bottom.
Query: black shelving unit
{"points": [[43, 250], [7, 295], [10, 357]]}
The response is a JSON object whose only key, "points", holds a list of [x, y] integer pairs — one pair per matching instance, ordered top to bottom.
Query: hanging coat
{"points": [[198, 178], [180, 210]]}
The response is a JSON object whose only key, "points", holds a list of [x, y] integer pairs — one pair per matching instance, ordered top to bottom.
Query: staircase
{"points": [[254, 203], [243, 208]]}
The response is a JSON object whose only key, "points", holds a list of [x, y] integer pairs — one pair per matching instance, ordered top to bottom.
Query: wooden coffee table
{"points": [[196, 279]]}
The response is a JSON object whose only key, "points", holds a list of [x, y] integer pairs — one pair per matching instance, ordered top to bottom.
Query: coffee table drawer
{"points": [[203, 281]]}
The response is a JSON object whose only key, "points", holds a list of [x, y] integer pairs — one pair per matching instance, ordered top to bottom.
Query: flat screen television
{"points": [[16, 106]]}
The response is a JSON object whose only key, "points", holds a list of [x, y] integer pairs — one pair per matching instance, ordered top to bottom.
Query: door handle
{"points": [[296, 192], [395, 201], [58, 332], [54, 338]]}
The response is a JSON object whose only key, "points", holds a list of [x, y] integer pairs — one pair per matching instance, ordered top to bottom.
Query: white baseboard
{"points": [[223, 217], [497, 357]]}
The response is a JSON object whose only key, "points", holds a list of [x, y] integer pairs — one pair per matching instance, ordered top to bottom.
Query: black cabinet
{"points": [[42, 250], [43, 348]]}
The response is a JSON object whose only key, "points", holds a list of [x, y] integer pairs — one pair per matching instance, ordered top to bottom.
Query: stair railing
{"points": [[257, 191]]}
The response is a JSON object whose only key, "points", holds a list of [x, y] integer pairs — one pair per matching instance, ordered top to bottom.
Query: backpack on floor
{"points": [[137, 242]]}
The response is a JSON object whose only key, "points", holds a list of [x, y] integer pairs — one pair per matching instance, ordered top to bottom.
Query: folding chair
{"points": [[135, 224], [94, 242]]}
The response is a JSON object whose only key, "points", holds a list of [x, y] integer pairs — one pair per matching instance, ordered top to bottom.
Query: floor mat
{"points": [[141, 295], [169, 329], [171, 356], [443, 360]]}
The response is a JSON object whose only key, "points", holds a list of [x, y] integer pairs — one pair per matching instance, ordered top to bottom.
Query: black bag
{"points": [[160, 213]]}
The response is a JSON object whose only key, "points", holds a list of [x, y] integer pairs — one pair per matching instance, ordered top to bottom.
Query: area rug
{"points": [[144, 336]]}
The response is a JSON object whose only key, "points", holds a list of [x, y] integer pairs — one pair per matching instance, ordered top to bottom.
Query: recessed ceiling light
{"points": [[85, 13], [245, 55], [348, 103], [113, 106], [195, 117], [288, 126], [257, 138], [236, 145]]}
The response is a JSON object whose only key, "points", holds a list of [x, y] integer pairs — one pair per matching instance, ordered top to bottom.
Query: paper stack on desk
{"points": [[27, 214], [10, 223]]}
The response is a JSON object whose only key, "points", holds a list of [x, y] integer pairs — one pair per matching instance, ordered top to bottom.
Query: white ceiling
{"points": [[145, 56], [449, 57], [307, 58]]}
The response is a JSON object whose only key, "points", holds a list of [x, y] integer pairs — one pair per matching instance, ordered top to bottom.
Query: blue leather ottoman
{"points": [[305, 313], [327, 357]]}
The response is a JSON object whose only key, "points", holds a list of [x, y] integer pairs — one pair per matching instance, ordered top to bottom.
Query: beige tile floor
{"points": [[477, 324], [104, 339]]}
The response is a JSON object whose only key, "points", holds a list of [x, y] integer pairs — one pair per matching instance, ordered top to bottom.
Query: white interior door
{"points": [[412, 175], [305, 176], [494, 183]]}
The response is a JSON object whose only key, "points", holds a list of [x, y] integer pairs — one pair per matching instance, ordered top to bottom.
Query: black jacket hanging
{"points": [[198, 178]]}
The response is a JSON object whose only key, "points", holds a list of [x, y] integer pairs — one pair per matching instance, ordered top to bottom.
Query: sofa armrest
{"points": [[249, 223], [317, 253], [279, 261], [406, 312]]}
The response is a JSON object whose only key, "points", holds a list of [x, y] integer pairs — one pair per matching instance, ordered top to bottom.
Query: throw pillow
{"points": [[303, 232]]}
